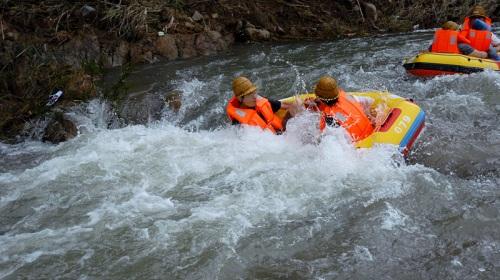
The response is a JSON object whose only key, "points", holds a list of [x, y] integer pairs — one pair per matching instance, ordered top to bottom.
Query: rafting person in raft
{"points": [[477, 29], [448, 38], [248, 108], [338, 108]]}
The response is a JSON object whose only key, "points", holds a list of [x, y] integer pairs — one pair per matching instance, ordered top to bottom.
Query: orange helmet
{"points": [[243, 86], [326, 88]]}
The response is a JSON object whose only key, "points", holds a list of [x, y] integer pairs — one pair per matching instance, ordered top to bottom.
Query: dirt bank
{"points": [[52, 45]]}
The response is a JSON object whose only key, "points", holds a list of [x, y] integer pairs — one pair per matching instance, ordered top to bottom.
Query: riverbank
{"points": [[66, 45]]}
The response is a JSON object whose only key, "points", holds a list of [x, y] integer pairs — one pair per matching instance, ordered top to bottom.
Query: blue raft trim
{"points": [[413, 129]]}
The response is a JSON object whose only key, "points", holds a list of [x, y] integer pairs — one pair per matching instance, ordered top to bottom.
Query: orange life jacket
{"points": [[466, 25], [479, 39], [446, 41], [349, 114], [262, 115]]}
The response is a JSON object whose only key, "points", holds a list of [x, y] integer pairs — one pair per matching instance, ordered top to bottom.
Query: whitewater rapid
{"points": [[191, 197]]}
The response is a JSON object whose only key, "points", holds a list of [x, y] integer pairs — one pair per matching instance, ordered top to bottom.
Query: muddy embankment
{"points": [[67, 45]]}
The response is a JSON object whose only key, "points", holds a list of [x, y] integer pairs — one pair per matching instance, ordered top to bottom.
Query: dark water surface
{"points": [[190, 197]]}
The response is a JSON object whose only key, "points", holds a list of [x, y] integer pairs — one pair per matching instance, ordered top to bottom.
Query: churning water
{"points": [[191, 197]]}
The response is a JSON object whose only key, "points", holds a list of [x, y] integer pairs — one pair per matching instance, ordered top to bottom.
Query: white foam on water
{"points": [[424, 30], [259, 57], [220, 62], [195, 94], [94, 115], [254, 176], [165, 182], [215, 186], [191, 196], [143, 202], [393, 218], [25, 248], [363, 253], [88, 254], [33, 256], [456, 262]]}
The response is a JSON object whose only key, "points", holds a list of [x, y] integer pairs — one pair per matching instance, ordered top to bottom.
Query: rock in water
{"points": [[59, 130]]}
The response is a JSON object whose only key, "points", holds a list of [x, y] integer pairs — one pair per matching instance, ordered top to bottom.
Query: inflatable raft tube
{"points": [[429, 64], [401, 120]]}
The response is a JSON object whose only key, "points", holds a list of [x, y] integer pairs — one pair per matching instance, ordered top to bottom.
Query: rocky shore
{"points": [[67, 45]]}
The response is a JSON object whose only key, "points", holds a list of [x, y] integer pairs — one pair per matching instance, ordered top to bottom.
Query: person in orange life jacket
{"points": [[478, 20], [479, 24], [477, 28], [447, 38], [248, 108], [338, 108]]}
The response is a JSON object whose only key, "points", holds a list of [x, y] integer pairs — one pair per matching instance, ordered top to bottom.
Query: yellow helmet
{"points": [[478, 11], [450, 25], [243, 86], [326, 88]]}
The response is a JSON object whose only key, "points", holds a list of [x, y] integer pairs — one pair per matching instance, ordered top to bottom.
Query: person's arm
{"points": [[462, 39], [276, 105], [290, 107], [294, 107]]}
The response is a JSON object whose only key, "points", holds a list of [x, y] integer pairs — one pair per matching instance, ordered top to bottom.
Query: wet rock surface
{"points": [[255, 34], [166, 47], [146, 107], [142, 108], [60, 129]]}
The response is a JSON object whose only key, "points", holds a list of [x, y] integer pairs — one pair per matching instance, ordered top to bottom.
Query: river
{"points": [[192, 197]]}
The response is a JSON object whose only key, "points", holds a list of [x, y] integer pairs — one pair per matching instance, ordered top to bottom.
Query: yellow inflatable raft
{"points": [[428, 64], [399, 121]]}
